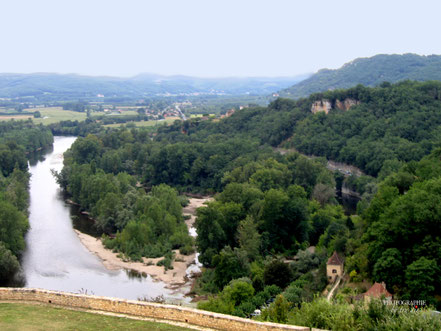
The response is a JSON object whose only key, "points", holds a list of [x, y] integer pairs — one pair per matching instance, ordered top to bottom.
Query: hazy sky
{"points": [[209, 37]]}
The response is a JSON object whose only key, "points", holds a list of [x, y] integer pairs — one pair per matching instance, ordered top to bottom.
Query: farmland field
{"points": [[56, 114], [49, 115], [145, 123]]}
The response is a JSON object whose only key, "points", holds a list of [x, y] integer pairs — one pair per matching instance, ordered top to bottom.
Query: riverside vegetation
{"points": [[16, 140], [269, 208]]}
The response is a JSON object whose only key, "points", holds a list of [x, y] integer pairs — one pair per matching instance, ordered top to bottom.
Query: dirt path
{"points": [[331, 292]]}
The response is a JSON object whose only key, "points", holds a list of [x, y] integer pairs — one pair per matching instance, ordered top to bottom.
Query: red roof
{"points": [[335, 259], [377, 291]]}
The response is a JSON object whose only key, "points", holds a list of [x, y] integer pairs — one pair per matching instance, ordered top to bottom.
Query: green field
{"points": [[57, 114], [48, 115], [144, 123], [19, 316]]}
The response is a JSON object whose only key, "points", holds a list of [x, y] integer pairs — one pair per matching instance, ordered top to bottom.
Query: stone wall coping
{"points": [[133, 307]]}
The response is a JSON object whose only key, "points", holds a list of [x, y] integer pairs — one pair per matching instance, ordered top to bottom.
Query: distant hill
{"points": [[370, 71], [50, 86]]}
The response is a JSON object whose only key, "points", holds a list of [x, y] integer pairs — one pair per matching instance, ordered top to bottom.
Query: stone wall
{"points": [[330, 274], [144, 309]]}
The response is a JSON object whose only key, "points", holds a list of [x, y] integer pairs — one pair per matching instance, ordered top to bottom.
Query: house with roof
{"points": [[334, 267], [377, 291]]}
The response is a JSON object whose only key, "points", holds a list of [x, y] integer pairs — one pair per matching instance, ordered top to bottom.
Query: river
{"points": [[55, 259]]}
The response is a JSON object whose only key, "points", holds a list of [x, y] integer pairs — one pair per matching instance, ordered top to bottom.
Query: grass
{"points": [[56, 114], [49, 115], [144, 123], [19, 316]]}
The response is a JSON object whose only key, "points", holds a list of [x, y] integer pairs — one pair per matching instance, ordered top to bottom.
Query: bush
{"points": [[186, 250], [167, 261], [8, 265], [205, 283], [278, 311], [376, 316]]}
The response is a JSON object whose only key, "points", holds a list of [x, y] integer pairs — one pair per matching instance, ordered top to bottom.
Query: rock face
{"points": [[346, 104], [321, 105], [325, 105]]}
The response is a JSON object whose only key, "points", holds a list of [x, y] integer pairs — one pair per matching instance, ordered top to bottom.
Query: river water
{"points": [[55, 259]]}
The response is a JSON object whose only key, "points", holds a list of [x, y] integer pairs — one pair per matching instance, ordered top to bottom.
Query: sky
{"points": [[209, 38]]}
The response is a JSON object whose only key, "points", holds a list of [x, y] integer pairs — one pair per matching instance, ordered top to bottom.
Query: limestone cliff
{"points": [[346, 104], [321, 105], [326, 105]]}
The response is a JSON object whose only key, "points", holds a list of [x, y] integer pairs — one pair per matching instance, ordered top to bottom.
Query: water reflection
{"points": [[39, 156], [55, 259]]}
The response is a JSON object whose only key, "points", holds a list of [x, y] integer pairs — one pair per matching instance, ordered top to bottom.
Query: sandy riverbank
{"points": [[190, 209], [173, 278]]}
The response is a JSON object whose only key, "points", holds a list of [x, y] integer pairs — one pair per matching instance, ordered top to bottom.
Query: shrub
{"points": [[186, 250]]}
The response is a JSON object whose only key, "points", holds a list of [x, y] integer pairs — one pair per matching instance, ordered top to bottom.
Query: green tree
{"points": [[13, 226], [249, 238], [230, 264], [8, 265], [389, 268], [278, 273], [422, 276]]}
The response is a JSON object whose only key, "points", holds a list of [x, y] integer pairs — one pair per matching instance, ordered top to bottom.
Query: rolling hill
{"points": [[370, 71], [51, 86]]}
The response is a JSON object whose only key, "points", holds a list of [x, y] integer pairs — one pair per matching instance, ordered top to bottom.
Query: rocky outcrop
{"points": [[346, 104], [321, 105], [326, 105]]}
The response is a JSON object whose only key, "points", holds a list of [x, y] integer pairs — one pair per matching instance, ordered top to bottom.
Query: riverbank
{"points": [[173, 278]]}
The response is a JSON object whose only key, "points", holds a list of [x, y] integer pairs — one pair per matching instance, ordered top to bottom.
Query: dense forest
{"points": [[369, 72], [391, 125], [17, 139], [274, 221]]}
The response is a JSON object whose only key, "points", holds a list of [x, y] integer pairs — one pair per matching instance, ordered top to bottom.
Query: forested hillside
{"points": [[369, 72], [391, 124], [16, 139], [274, 220]]}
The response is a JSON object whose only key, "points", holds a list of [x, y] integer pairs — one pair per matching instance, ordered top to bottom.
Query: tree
{"points": [[323, 194], [284, 218], [13, 225], [211, 237], [249, 238], [229, 264], [8, 265], [389, 268], [278, 273], [421, 278], [238, 291], [278, 311]]}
